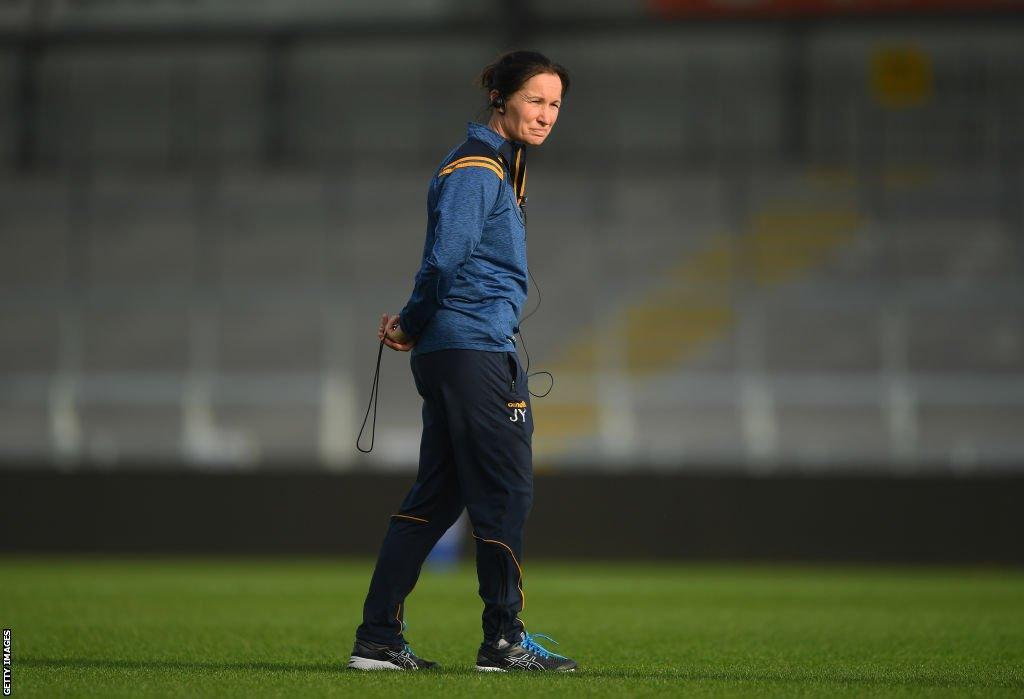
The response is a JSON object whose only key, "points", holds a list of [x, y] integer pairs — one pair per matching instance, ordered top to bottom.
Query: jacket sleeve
{"points": [[465, 199]]}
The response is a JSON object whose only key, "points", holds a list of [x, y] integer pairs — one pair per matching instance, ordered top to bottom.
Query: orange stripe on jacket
{"points": [[466, 162]]}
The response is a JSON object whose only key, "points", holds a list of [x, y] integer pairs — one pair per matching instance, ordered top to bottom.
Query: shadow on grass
{"points": [[104, 664], [898, 679]]}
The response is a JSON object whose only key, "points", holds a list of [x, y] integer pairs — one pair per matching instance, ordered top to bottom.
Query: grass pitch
{"points": [[258, 627]]}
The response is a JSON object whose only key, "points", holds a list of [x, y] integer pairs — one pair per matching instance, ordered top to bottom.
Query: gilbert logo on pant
{"points": [[518, 411]]}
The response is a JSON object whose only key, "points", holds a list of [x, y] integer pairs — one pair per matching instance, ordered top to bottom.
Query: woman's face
{"points": [[531, 111]]}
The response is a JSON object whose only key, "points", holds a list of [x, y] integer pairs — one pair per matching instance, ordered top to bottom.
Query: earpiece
{"points": [[499, 103]]}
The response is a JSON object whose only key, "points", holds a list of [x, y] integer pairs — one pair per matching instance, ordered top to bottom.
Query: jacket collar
{"points": [[484, 133], [512, 152]]}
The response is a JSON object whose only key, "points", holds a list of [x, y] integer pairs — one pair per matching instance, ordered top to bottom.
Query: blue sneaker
{"points": [[526, 654]]}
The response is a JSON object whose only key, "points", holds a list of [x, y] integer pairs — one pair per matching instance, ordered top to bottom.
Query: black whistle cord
{"points": [[374, 392]]}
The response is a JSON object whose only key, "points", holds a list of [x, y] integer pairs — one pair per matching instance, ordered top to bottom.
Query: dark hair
{"points": [[508, 73]]}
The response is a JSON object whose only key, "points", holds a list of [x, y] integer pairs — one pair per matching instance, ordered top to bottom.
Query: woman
{"points": [[460, 323]]}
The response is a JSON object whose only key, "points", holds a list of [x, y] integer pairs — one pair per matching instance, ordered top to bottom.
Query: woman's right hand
{"points": [[393, 335]]}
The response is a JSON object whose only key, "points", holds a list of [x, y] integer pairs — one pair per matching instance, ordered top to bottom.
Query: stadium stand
{"points": [[189, 273]]}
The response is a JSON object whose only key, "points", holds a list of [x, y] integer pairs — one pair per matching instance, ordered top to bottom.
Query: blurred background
{"points": [[779, 244]]}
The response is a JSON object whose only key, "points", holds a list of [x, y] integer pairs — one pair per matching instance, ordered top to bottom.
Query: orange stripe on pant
{"points": [[414, 519], [522, 595], [398, 611]]}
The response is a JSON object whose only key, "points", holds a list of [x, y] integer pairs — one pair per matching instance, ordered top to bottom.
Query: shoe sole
{"points": [[357, 663], [486, 668]]}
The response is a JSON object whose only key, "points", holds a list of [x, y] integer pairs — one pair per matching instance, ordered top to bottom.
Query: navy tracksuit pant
{"points": [[475, 453]]}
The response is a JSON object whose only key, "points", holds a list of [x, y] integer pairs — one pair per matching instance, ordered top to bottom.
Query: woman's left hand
{"points": [[393, 335]]}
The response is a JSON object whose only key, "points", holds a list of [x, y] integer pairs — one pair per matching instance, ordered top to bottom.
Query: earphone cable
{"points": [[523, 340]]}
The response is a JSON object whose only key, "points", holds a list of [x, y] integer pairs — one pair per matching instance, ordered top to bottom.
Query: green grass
{"points": [[252, 627]]}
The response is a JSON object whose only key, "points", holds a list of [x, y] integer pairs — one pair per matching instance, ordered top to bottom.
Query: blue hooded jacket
{"points": [[472, 282]]}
